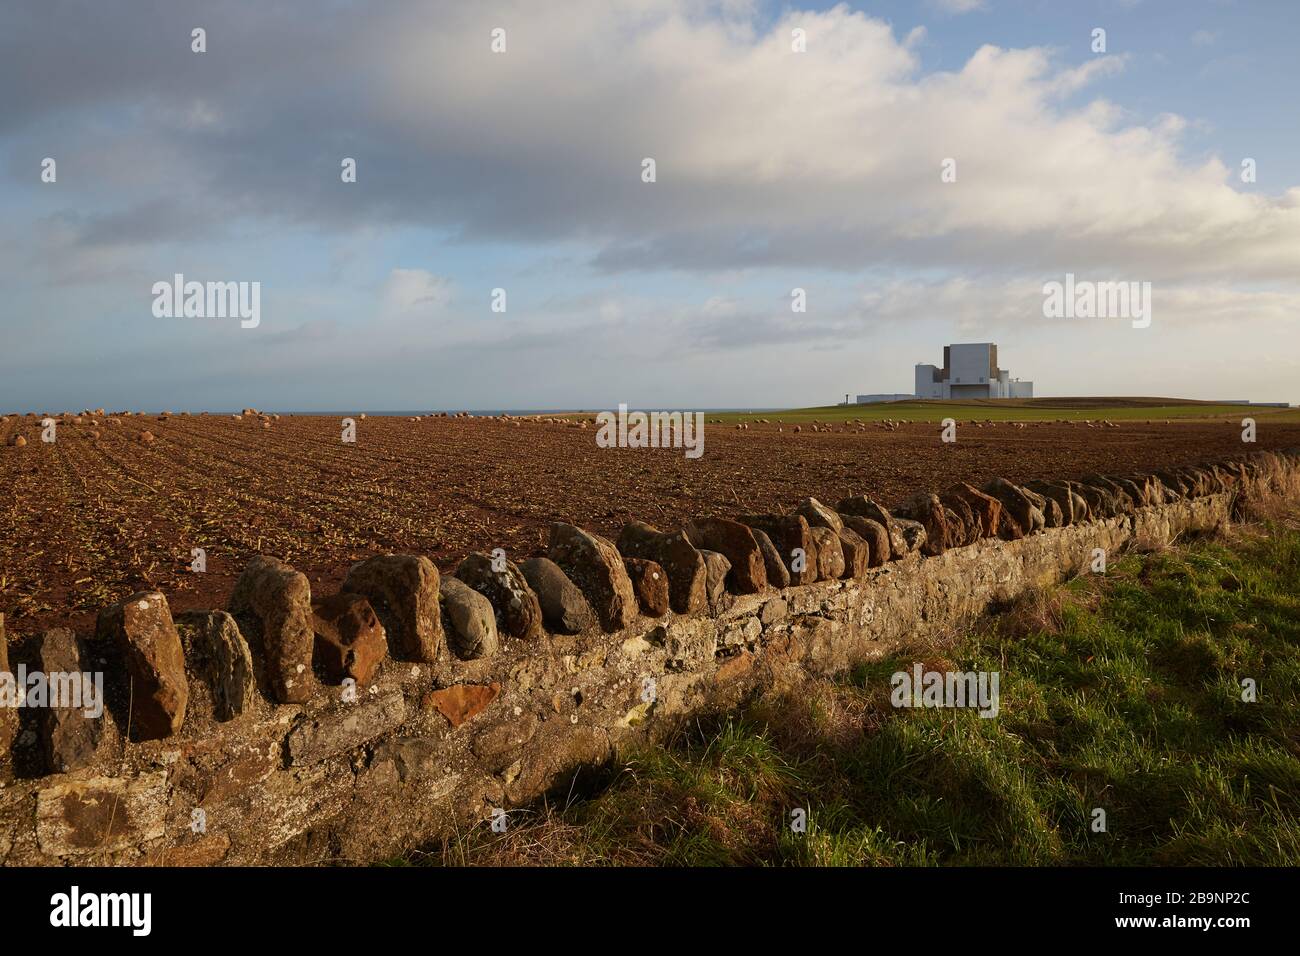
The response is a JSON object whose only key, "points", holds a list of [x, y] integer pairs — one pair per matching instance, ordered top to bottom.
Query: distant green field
{"points": [[1022, 410]]}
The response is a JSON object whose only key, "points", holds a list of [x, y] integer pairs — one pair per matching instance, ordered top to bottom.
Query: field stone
{"points": [[1058, 492], [1139, 493], [1121, 503], [1018, 505], [863, 507], [986, 509], [928, 510], [818, 515], [963, 525], [912, 532], [787, 533], [880, 547], [857, 552], [830, 554], [681, 561], [718, 566], [596, 567], [748, 574], [778, 575], [650, 584], [405, 587], [278, 599], [564, 608], [518, 610], [773, 612], [142, 630], [473, 631], [350, 640], [217, 652], [461, 702], [345, 727], [69, 738], [101, 815]]}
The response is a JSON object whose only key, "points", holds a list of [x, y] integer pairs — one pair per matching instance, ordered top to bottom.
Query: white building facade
{"points": [[970, 370]]}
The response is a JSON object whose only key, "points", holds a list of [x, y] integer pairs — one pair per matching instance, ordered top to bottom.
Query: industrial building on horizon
{"points": [[970, 370]]}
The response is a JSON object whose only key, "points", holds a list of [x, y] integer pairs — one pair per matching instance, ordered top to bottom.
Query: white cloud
{"points": [[957, 6], [415, 290]]}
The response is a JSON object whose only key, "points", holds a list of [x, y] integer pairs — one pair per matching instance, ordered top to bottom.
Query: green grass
{"points": [[1026, 410], [1119, 692]]}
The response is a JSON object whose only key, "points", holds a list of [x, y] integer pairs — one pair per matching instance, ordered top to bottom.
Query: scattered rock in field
{"points": [[145, 438], [680, 560], [596, 567], [748, 574], [650, 584], [403, 590], [277, 600], [564, 608], [518, 611], [142, 630], [472, 630], [350, 640], [216, 651], [69, 738]]}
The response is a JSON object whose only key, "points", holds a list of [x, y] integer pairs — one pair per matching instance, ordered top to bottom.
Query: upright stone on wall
{"points": [[789, 533], [736, 542], [681, 561], [596, 567], [403, 589], [278, 599], [565, 609], [518, 611], [142, 630], [472, 631], [218, 653], [70, 734]]}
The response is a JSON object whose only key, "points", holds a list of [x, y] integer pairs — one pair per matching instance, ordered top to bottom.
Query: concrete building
{"points": [[970, 370], [883, 397]]}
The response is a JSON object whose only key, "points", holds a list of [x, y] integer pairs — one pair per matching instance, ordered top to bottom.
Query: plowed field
{"points": [[85, 521]]}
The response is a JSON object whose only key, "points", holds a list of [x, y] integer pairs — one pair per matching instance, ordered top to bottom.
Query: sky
{"points": [[775, 169]]}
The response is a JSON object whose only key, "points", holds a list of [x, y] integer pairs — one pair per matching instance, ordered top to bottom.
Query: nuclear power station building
{"points": [[970, 370]]}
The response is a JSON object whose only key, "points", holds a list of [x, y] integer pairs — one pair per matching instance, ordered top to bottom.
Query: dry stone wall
{"points": [[289, 728]]}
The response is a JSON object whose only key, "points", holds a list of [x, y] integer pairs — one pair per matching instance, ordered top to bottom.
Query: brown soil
{"points": [[85, 521]]}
